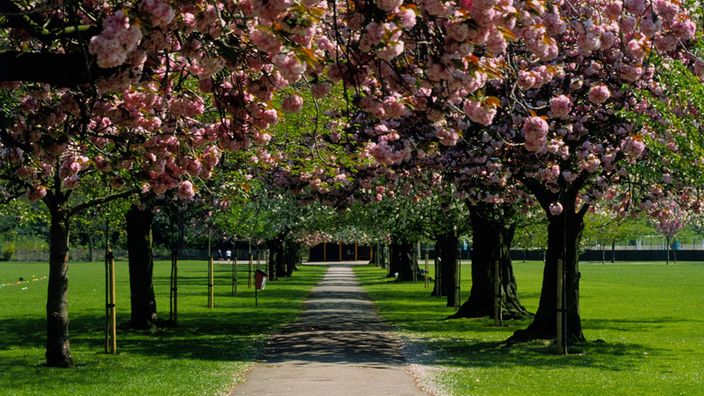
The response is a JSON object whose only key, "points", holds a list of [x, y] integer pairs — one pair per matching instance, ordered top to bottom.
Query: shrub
{"points": [[8, 251]]}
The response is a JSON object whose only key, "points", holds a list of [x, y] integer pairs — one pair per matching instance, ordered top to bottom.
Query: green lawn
{"points": [[649, 320], [206, 355]]}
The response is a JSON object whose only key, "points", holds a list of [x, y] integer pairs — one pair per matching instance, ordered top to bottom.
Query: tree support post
{"points": [[251, 269], [234, 276], [438, 280], [427, 281], [174, 285], [458, 291], [211, 296], [498, 319], [111, 334], [560, 339]]}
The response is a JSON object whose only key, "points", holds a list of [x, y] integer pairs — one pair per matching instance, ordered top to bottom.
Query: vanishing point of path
{"points": [[337, 347]]}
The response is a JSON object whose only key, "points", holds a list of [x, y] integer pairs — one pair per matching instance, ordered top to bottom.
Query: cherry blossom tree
{"points": [[537, 92], [143, 97], [668, 218]]}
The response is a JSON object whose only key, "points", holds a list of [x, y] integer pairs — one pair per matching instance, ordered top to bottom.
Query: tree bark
{"points": [[60, 70], [564, 235], [491, 241], [90, 248], [667, 251], [446, 252], [383, 254], [294, 256], [401, 256], [277, 261], [141, 266], [58, 350]]}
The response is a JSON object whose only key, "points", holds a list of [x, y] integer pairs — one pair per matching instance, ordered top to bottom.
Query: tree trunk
{"points": [[182, 230], [564, 235], [491, 241], [90, 248], [446, 251], [613, 251], [667, 251], [383, 255], [401, 256], [293, 257], [281, 260], [277, 262], [141, 266], [58, 350]]}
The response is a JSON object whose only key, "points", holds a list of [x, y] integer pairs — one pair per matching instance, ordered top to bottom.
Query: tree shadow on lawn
{"points": [[198, 335], [466, 352], [611, 356]]}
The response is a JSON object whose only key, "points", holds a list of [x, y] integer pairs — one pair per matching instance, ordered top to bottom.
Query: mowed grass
{"points": [[644, 325], [207, 354]]}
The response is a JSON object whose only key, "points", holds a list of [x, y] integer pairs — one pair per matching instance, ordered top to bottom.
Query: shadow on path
{"points": [[339, 346]]}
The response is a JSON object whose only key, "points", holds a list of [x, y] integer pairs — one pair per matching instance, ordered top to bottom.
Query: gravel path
{"points": [[339, 346]]}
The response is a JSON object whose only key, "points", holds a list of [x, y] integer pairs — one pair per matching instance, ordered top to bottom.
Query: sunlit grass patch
{"points": [[643, 324], [207, 354]]}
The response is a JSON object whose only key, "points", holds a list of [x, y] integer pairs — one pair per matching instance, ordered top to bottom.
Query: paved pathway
{"points": [[337, 347]]}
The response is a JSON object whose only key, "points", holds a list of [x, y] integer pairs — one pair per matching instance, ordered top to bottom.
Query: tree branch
{"points": [[60, 70], [97, 201]]}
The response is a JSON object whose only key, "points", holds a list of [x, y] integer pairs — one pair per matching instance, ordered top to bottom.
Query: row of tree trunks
{"points": [[491, 241], [447, 254], [284, 256], [294, 256], [402, 256], [276, 264]]}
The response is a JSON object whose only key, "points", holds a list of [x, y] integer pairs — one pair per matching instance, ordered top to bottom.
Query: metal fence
{"points": [[81, 254]]}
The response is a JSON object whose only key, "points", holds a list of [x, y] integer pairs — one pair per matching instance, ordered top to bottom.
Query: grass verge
{"points": [[649, 320], [207, 354]]}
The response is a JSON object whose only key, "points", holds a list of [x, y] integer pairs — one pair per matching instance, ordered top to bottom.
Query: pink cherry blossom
{"points": [[320, 90], [599, 94], [292, 104], [560, 105], [478, 112], [535, 130], [633, 147], [185, 190], [35, 193], [555, 208]]}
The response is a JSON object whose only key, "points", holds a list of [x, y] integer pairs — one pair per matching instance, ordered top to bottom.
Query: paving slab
{"points": [[339, 346]]}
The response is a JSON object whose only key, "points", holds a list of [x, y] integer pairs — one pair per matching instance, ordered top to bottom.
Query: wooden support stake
{"points": [[174, 263], [414, 265], [251, 270], [458, 270], [438, 275], [234, 277], [427, 281], [497, 293], [211, 295], [458, 297], [560, 308], [113, 314]]}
